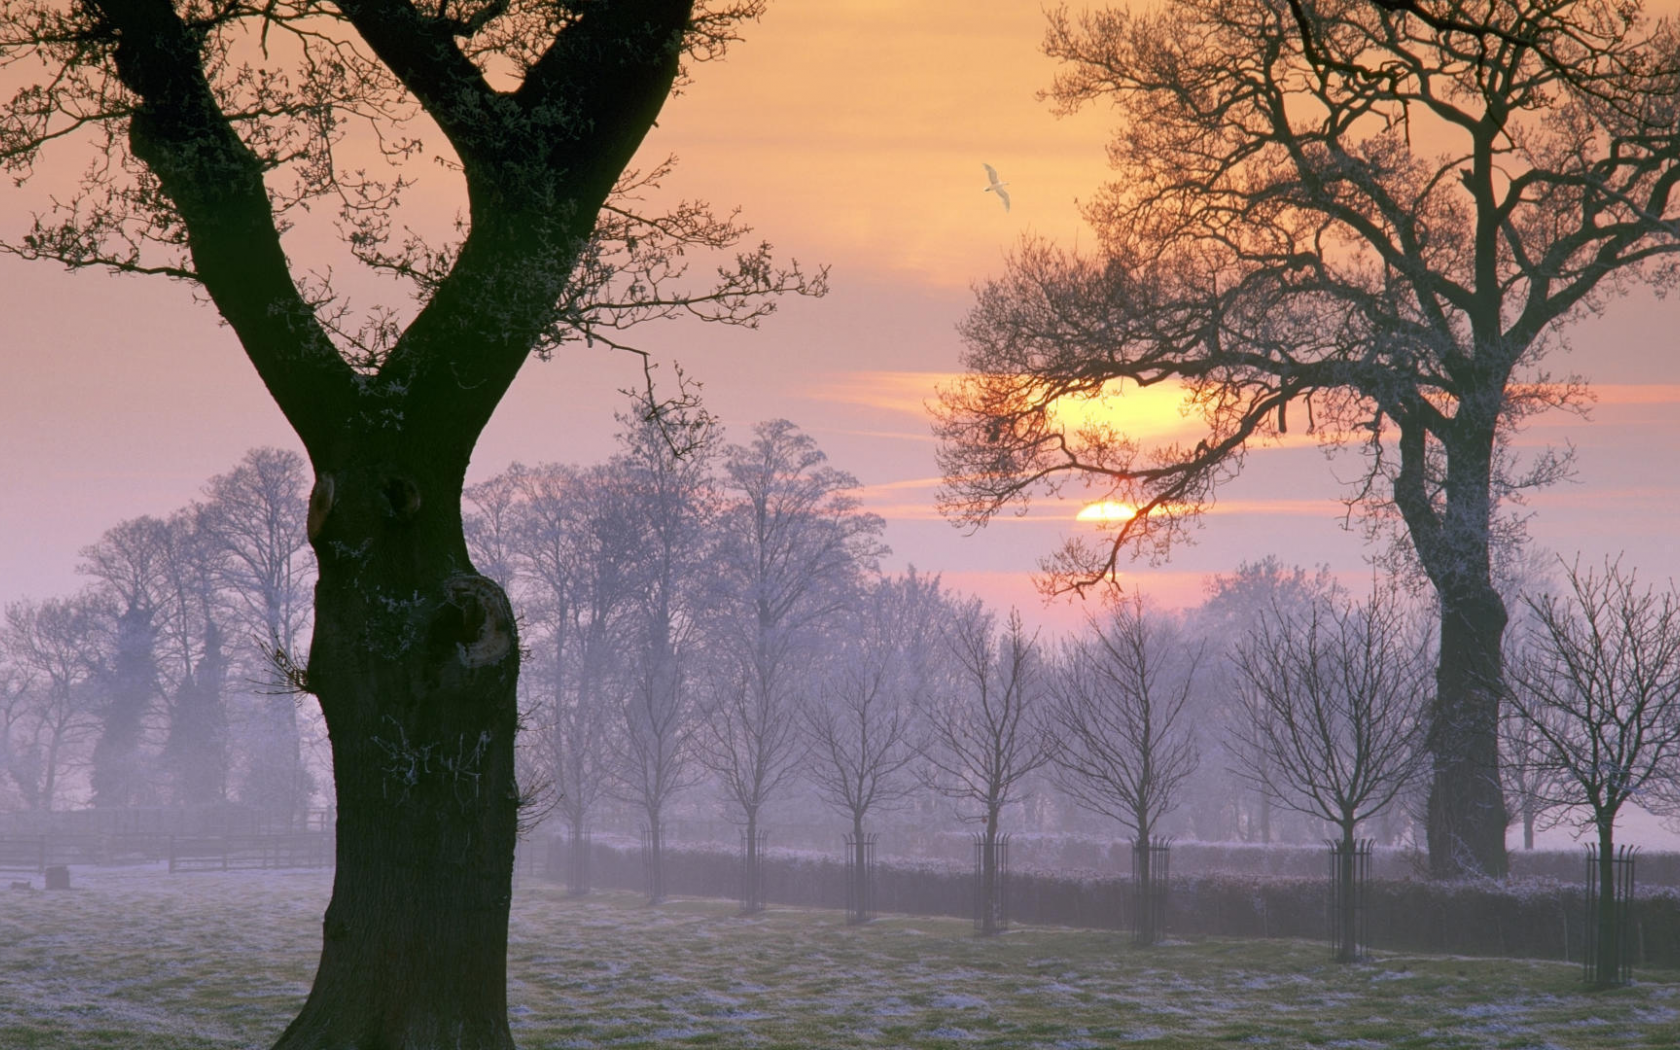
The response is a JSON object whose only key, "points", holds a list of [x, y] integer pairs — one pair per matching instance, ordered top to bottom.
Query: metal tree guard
{"points": [[1151, 869], [752, 872], [1350, 872], [860, 878], [991, 884], [1609, 958]]}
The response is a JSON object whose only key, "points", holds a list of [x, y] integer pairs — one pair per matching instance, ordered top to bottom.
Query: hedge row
{"points": [[1054, 852], [1527, 918]]}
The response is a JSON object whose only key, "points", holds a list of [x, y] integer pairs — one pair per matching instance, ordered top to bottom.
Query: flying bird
{"points": [[996, 186]]}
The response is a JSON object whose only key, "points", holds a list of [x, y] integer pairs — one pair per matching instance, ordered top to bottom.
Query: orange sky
{"points": [[852, 133]]}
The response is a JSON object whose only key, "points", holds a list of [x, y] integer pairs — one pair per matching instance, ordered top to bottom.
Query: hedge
{"points": [[1519, 918]]}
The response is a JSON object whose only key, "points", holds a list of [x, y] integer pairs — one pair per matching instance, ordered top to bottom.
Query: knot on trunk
{"points": [[402, 496], [320, 504], [484, 633]]}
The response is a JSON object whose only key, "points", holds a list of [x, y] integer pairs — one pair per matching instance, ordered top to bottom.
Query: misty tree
{"points": [[208, 133], [1379, 216], [666, 458], [255, 515], [576, 533], [790, 546], [128, 566], [1236, 602], [54, 645], [194, 657], [1600, 685], [15, 687], [1336, 697], [866, 726], [986, 734], [1120, 742], [1531, 778]]}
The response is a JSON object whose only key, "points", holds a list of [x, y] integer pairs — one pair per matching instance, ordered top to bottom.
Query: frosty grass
{"points": [[141, 960]]}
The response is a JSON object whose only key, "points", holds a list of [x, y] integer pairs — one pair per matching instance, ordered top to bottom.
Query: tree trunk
{"points": [[415, 663], [1466, 809], [1528, 827], [655, 860], [860, 870], [752, 876], [577, 877], [988, 888], [1347, 947], [1609, 955]]}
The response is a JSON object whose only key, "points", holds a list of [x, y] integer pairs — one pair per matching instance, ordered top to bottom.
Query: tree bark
{"points": [[415, 662], [1466, 808], [1465, 817]]}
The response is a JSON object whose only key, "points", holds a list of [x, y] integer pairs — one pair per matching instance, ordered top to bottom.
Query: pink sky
{"points": [[852, 133]]}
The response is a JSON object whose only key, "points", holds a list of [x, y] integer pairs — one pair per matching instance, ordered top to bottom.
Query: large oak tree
{"points": [[214, 125], [1371, 218]]}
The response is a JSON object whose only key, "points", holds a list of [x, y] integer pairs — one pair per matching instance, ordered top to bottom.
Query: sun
{"points": [[1107, 510]]}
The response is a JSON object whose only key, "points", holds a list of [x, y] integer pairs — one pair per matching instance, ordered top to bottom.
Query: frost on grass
{"points": [[140, 960]]}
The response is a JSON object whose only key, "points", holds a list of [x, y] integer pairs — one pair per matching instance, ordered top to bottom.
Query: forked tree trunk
{"points": [[414, 661]]}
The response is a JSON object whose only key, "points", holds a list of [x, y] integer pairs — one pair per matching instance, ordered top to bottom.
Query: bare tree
{"points": [[213, 130], [1340, 208], [666, 458], [256, 514], [577, 534], [791, 546], [128, 564], [1235, 603], [53, 642], [195, 658], [1600, 685], [1335, 698], [866, 726], [986, 736], [1121, 746], [19, 762], [1531, 777]]}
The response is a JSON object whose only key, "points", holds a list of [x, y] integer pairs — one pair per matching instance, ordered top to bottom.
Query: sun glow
{"points": [[1147, 413], [1107, 510]]}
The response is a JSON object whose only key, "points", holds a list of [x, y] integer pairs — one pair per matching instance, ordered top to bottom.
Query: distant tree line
{"points": [[710, 634], [163, 681]]}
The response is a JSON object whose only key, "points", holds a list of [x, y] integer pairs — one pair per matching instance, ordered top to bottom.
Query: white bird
{"points": [[996, 186]]}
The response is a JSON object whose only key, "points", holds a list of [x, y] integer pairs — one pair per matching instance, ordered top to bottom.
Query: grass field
{"points": [[140, 960]]}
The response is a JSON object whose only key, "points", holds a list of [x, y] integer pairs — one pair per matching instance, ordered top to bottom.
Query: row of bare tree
{"points": [[162, 681]]}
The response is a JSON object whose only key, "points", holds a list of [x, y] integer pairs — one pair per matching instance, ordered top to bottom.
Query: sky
{"points": [[851, 133]]}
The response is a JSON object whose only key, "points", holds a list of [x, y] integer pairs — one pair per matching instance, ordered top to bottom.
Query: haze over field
{"points": [[851, 133]]}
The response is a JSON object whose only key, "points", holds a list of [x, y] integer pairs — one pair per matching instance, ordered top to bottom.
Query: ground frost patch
{"points": [[141, 960]]}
